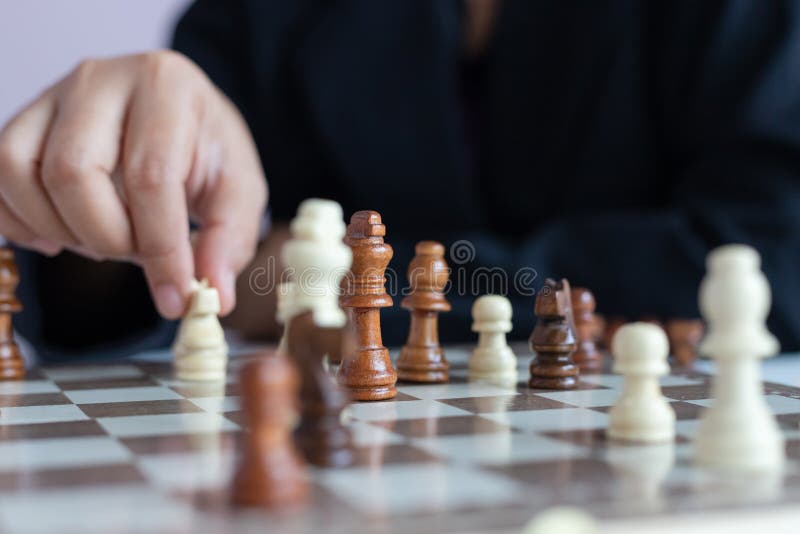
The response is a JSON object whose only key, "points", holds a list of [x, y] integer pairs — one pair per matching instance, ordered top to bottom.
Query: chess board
{"points": [[124, 447]]}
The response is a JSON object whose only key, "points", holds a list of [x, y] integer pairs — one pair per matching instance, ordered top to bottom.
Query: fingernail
{"points": [[45, 247], [229, 290], [169, 301]]}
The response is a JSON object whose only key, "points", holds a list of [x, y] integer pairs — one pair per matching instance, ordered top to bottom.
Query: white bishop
{"points": [[737, 431]]}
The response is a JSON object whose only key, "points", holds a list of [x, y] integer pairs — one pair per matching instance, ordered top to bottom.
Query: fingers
{"points": [[21, 146], [81, 153], [157, 158], [230, 213]]}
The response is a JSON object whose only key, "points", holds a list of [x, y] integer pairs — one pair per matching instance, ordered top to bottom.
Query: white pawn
{"points": [[318, 260], [200, 349], [492, 360], [641, 413], [737, 431]]}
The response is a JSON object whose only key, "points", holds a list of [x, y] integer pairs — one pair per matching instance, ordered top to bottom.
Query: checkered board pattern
{"points": [[124, 447]]}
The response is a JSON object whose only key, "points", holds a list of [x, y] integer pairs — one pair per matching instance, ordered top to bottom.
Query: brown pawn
{"points": [[583, 305], [612, 325], [684, 337], [553, 339], [422, 358], [12, 367], [366, 371], [321, 437], [271, 473]]}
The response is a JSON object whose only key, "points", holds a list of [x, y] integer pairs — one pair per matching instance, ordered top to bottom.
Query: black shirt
{"points": [[612, 142]]}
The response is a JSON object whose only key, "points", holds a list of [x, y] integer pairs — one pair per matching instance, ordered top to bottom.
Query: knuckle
{"points": [[165, 62], [85, 69], [10, 158], [65, 168], [148, 175]]}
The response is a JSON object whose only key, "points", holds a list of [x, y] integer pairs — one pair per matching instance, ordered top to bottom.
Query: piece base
{"points": [[563, 382], [373, 393]]}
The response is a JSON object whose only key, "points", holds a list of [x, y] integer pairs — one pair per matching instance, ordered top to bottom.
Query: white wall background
{"points": [[42, 40]]}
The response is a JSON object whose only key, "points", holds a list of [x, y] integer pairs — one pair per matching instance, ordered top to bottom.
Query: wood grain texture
{"points": [[553, 339], [422, 358], [366, 370]]}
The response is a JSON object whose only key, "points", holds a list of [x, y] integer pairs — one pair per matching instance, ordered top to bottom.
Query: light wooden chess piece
{"points": [[318, 259], [201, 353], [422, 358], [492, 360], [12, 366], [641, 413], [737, 432]]}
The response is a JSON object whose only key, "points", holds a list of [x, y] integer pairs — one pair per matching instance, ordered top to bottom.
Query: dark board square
{"points": [[106, 383], [33, 399], [504, 403], [123, 409], [442, 426], [51, 430], [179, 443], [378, 455], [104, 475]]}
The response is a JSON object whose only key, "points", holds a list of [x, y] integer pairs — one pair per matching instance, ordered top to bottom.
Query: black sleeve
{"points": [[215, 35]]}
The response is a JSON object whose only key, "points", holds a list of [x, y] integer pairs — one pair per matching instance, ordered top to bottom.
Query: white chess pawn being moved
{"points": [[200, 349], [492, 360], [641, 413], [738, 431]]}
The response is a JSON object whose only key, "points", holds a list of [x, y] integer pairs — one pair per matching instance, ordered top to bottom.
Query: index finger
{"points": [[157, 158]]}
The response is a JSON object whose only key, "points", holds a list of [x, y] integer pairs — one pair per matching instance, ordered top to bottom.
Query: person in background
{"points": [[610, 142]]}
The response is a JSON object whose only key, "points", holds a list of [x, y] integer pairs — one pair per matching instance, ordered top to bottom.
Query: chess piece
{"points": [[317, 259], [285, 310], [612, 324], [684, 337], [553, 339], [201, 353], [587, 356], [422, 358], [492, 360], [12, 366], [366, 371], [641, 413], [737, 432], [321, 437], [271, 474], [562, 520]]}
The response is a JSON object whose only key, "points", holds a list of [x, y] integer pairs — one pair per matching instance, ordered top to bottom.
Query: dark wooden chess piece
{"points": [[612, 324], [684, 337], [553, 339], [587, 356], [422, 358], [12, 366], [366, 371], [321, 437], [271, 473]]}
